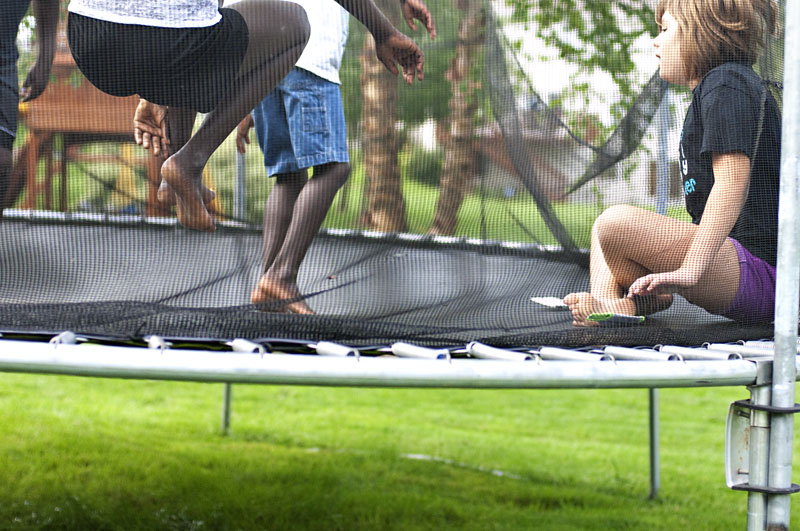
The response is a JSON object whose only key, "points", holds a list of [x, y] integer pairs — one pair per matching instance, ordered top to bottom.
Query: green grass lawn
{"points": [[82, 453]]}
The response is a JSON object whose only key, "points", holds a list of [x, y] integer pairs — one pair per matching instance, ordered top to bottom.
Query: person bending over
{"points": [[183, 57], [724, 260]]}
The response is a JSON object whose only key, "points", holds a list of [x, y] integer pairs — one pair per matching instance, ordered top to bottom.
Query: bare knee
{"points": [[298, 20], [272, 23], [335, 173], [295, 180], [616, 225]]}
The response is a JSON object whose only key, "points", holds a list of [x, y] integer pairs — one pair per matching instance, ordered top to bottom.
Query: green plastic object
{"points": [[614, 319]]}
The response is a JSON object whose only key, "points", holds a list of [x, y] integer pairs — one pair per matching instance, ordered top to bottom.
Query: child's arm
{"points": [[46, 14], [391, 45], [725, 202]]}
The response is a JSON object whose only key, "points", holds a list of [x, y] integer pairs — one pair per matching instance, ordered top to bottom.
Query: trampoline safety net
{"points": [[470, 193]]}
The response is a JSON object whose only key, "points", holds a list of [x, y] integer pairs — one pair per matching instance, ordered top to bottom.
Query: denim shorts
{"points": [[9, 88], [301, 124], [755, 299]]}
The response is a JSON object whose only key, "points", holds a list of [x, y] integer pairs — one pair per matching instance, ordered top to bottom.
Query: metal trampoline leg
{"points": [[227, 393], [758, 461], [655, 464]]}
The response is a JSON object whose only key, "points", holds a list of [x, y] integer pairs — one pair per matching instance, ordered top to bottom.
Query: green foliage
{"points": [[605, 30], [595, 35], [420, 101], [422, 166]]}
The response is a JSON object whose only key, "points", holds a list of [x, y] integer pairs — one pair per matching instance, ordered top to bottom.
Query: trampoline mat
{"points": [[130, 281]]}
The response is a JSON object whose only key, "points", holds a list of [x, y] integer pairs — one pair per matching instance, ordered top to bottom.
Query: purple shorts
{"points": [[755, 299]]}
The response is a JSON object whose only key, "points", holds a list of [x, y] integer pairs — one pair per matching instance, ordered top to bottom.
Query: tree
{"points": [[606, 33], [460, 157], [385, 209]]}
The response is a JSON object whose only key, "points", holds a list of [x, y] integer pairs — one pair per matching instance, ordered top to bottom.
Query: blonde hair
{"points": [[713, 32]]}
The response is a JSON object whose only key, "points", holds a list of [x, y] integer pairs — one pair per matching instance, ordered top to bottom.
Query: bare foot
{"points": [[186, 183], [167, 197], [272, 290], [584, 304], [581, 305]]}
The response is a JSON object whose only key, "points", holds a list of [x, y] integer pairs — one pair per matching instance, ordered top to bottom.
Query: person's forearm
{"points": [[366, 12], [46, 14], [724, 204], [711, 234]]}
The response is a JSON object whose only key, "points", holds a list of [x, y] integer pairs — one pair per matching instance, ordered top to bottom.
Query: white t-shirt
{"points": [[160, 13], [329, 22], [329, 25]]}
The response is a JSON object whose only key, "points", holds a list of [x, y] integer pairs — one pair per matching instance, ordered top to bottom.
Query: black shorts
{"points": [[182, 67]]}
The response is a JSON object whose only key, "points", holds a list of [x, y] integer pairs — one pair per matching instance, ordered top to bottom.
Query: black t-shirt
{"points": [[728, 108]]}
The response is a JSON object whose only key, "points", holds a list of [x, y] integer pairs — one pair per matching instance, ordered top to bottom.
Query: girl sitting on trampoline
{"points": [[184, 57], [724, 260]]}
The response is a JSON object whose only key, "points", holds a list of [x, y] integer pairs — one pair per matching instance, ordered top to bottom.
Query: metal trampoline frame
{"points": [[770, 379]]}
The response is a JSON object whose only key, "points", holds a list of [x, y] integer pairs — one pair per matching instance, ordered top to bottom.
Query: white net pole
{"points": [[787, 298]]}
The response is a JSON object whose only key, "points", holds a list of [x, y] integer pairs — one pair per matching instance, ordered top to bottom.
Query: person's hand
{"points": [[415, 9], [397, 48], [36, 80], [150, 127], [243, 133], [664, 283]]}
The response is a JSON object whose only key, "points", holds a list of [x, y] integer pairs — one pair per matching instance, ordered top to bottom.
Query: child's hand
{"points": [[415, 9], [397, 48], [35, 81], [150, 127], [243, 133], [663, 283]]}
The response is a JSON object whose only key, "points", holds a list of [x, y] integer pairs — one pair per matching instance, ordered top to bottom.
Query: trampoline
{"points": [[367, 289], [93, 292]]}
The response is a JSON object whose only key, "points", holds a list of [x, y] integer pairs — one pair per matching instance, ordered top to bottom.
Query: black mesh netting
{"points": [[483, 197]]}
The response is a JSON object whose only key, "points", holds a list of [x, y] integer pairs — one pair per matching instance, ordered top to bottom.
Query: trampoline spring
{"points": [[66, 338], [157, 343], [766, 344], [246, 346], [328, 348], [407, 350], [479, 350], [742, 351], [562, 354], [640, 354]]}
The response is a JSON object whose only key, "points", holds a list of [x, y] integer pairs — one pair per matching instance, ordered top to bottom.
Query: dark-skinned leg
{"points": [[278, 32], [180, 122], [6, 165], [278, 214], [279, 281]]}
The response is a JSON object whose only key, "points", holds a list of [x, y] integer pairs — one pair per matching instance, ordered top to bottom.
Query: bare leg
{"points": [[278, 32], [180, 122], [6, 165], [278, 214], [628, 243], [285, 246]]}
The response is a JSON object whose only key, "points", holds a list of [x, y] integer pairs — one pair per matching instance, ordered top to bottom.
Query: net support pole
{"points": [[662, 163], [240, 191], [662, 198], [784, 370], [758, 458]]}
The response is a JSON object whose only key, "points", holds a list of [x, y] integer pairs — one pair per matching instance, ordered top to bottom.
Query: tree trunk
{"points": [[460, 160], [385, 209]]}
